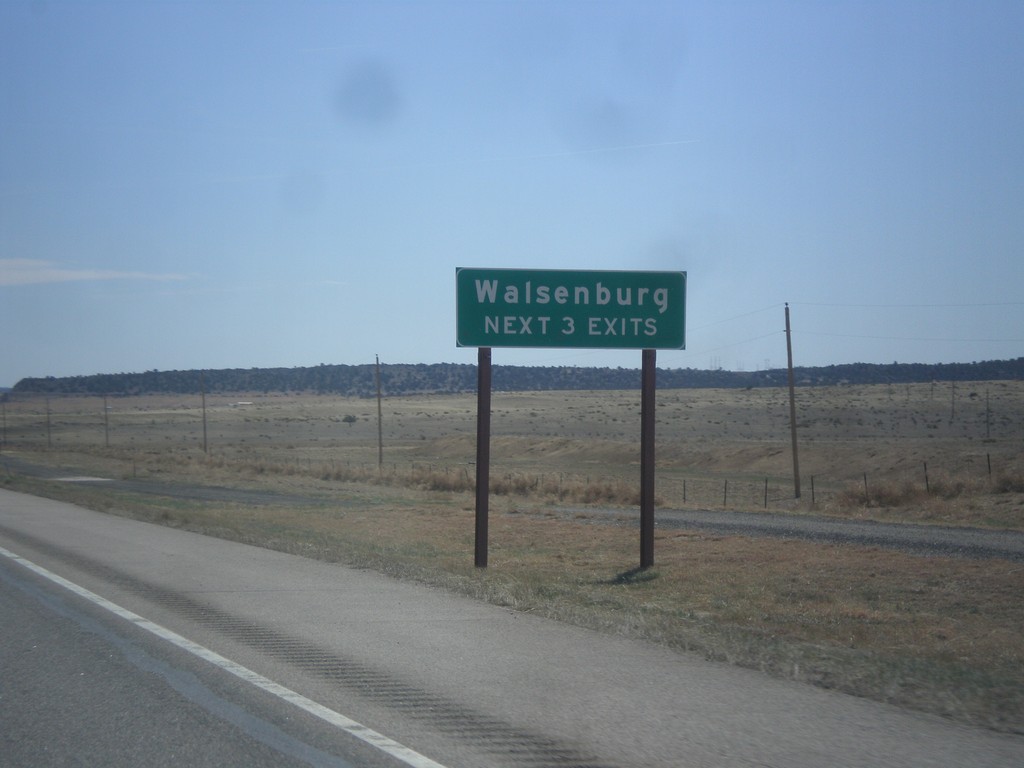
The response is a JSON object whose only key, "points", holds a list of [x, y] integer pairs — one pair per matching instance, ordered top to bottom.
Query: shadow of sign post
{"points": [[549, 308]]}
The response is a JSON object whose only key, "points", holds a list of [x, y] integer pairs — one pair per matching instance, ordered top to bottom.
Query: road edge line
{"points": [[364, 733]]}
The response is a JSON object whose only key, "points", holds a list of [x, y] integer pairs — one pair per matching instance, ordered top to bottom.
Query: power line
{"points": [[908, 306], [736, 317], [912, 338], [736, 343]]}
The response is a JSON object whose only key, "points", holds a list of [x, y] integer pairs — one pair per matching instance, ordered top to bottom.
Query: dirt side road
{"points": [[935, 540], [944, 541]]}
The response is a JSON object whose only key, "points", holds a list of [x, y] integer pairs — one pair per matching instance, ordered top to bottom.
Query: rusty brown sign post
{"points": [[569, 309]]}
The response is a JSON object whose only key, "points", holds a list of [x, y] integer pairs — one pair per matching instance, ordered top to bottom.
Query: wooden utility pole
{"points": [[202, 391], [792, 406], [380, 422], [106, 424]]}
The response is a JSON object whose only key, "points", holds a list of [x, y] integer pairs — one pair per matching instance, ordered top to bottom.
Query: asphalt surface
{"points": [[464, 683], [79, 688]]}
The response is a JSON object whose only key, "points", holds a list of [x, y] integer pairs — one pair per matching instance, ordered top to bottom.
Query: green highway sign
{"points": [[565, 308]]}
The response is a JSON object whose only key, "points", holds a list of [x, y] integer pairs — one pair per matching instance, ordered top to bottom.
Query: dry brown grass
{"points": [[970, 438], [938, 634], [943, 635]]}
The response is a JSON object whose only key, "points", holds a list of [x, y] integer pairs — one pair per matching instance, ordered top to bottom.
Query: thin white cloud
{"points": [[37, 272]]}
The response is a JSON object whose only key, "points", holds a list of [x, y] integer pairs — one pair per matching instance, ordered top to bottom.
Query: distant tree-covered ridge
{"points": [[401, 379]]}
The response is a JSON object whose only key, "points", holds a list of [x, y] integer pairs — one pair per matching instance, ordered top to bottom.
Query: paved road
{"points": [[461, 683], [80, 687]]}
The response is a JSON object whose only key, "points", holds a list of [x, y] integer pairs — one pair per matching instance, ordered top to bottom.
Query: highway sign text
{"points": [[562, 308]]}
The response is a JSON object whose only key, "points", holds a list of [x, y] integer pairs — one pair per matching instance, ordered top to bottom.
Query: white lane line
{"points": [[383, 743]]}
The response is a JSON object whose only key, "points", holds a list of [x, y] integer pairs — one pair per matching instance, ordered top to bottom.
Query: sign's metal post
{"points": [[569, 309], [647, 421], [483, 452]]}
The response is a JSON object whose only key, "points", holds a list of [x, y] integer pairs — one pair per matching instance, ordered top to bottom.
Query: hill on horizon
{"points": [[425, 378]]}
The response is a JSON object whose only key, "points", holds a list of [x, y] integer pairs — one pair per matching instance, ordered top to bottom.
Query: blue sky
{"points": [[229, 184]]}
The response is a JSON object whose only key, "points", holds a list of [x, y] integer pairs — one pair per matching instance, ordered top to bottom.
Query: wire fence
{"points": [[144, 429]]}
